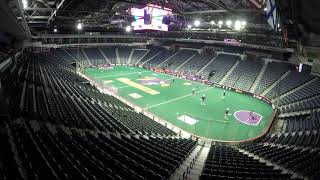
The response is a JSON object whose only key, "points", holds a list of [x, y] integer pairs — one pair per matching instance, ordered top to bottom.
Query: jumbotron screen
{"points": [[150, 17]]}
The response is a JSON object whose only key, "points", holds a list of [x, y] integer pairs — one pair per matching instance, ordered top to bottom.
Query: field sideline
{"points": [[174, 102]]}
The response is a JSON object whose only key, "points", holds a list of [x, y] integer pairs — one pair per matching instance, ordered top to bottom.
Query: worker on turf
{"points": [[139, 74], [172, 81], [193, 91], [224, 94], [203, 98], [226, 114]]}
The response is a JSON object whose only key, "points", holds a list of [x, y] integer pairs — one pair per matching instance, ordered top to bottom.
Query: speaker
{"points": [[147, 18], [166, 20]]}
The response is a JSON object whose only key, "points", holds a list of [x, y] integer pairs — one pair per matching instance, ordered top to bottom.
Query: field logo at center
{"points": [[150, 80], [138, 86]]}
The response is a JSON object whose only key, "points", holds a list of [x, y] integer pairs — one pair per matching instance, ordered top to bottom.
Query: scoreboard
{"points": [[151, 17]]}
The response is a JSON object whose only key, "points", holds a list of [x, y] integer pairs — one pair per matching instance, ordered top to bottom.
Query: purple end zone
{"points": [[248, 117]]}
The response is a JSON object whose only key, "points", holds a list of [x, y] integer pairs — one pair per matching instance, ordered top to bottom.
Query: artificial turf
{"points": [[171, 100]]}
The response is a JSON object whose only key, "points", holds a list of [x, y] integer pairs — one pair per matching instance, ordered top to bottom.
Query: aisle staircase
{"points": [[205, 66], [229, 72], [257, 80], [192, 167]]}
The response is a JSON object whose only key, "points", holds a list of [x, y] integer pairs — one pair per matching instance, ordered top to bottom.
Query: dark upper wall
{"points": [[310, 16], [10, 29]]}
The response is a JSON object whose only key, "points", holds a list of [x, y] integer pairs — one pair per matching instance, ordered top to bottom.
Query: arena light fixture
{"points": [[24, 4], [265, 9], [212, 22], [197, 23], [220, 23], [229, 23], [244, 23], [237, 25], [79, 26], [189, 26], [128, 29], [55, 30]]}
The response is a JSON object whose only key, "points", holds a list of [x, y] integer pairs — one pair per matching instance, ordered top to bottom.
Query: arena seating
{"points": [[153, 51], [6, 52], [77, 53], [110, 53], [124, 53], [63, 55], [137, 55], [95, 56], [159, 58], [179, 58], [196, 63], [220, 66], [272, 73], [243, 76], [291, 81], [305, 92], [59, 96], [301, 106], [302, 122], [61, 127], [295, 138], [52, 152], [300, 160], [225, 162], [9, 168]]}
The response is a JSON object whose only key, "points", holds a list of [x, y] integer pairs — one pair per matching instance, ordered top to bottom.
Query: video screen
{"points": [[150, 17]]}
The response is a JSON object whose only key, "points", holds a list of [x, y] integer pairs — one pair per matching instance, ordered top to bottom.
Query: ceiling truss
{"points": [[104, 13]]}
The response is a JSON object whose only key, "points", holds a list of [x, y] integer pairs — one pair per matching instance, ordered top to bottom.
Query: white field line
{"points": [[119, 74], [177, 77], [122, 87], [175, 99]]}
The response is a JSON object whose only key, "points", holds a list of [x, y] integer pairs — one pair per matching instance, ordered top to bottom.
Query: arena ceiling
{"points": [[109, 15], [297, 16]]}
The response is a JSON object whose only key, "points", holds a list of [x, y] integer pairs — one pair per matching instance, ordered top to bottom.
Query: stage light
{"points": [[24, 4], [212, 22], [196, 23], [220, 23], [228, 23], [237, 25], [79, 26], [189, 26], [128, 29], [55, 30]]}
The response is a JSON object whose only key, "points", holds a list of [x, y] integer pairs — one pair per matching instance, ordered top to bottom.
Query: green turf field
{"points": [[174, 102]]}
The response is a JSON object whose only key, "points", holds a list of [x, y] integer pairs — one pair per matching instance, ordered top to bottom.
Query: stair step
{"points": [[229, 72]]}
